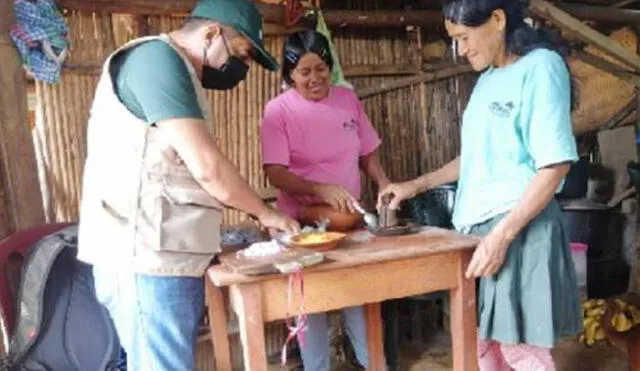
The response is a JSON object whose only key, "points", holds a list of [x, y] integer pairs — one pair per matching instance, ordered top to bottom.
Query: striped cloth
{"points": [[39, 22]]}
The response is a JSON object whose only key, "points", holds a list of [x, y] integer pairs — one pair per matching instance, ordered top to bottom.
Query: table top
{"points": [[361, 247]]}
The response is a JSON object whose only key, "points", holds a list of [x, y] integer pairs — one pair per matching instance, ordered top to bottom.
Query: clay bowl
{"points": [[338, 221], [324, 240]]}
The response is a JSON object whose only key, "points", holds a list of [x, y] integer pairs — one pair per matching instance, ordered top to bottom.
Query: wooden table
{"points": [[356, 273]]}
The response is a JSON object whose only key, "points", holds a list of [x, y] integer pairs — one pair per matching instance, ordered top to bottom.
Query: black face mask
{"points": [[228, 76]]}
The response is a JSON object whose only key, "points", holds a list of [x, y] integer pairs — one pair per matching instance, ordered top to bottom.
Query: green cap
{"points": [[242, 16]]}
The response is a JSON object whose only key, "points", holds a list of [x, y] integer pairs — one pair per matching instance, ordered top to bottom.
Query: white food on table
{"points": [[262, 249]]}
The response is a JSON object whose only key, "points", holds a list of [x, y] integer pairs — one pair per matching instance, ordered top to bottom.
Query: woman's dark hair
{"points": [[520, 37], [301, 43]]}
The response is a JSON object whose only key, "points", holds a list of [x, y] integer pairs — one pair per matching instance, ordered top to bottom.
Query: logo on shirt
{"points": [[501, 109], [350, 125]]}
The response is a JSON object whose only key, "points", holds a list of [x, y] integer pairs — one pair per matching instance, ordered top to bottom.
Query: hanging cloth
{"points": [[41, 37], [337, 75]]}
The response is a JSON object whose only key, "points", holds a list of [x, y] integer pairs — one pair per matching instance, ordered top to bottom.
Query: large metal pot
{"points": [[433, 207]]}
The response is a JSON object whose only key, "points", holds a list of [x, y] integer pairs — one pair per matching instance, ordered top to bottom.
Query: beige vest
{"points": [[141, 208]]}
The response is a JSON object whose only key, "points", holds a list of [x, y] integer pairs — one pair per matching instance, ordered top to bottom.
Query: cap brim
{"points": [[262, 57]]}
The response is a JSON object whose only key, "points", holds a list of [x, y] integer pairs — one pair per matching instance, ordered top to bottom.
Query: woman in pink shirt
{"points": [[315, 140]]}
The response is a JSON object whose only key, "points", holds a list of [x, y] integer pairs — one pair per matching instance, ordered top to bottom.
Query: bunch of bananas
{"points": [[592, 310], [623, 318]]}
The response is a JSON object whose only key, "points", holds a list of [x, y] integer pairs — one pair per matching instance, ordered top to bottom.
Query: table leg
{"points": [[247, 303], [463, 318], [218, 326], [374, 337]]}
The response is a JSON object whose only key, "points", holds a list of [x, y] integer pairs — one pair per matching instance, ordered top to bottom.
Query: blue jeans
{"points": [[157, 318], [315, 353]]}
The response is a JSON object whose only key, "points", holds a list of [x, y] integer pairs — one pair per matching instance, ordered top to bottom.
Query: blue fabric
{"points": [[38, 21], [517, 121], [157, 318], [315, 352]]}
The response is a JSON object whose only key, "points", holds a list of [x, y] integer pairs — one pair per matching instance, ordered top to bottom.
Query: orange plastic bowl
{"points": [[319, 241]]}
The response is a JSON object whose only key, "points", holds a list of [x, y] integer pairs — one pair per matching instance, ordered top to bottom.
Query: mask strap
{"points": [[226, 45], [204, 56]]}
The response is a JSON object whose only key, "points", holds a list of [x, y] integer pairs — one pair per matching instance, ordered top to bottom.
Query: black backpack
{"points": [[60, 324]]}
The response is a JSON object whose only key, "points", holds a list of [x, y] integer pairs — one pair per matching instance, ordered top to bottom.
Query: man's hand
{"points": [[271, 218]]}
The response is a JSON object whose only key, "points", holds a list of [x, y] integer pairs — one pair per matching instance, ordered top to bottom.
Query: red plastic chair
{"points": [[12, 253]]}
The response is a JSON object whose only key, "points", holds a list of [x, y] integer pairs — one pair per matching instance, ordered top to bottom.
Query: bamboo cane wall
{"points": [[419, 124]]}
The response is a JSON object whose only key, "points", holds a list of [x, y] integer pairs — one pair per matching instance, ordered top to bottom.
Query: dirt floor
{"points": [[569, 356]]}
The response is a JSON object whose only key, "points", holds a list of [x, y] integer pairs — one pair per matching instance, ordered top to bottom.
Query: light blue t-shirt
{"points": [[517, 121]]}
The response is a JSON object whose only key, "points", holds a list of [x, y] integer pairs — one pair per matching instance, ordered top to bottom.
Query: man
{"points": [[155, 180]]}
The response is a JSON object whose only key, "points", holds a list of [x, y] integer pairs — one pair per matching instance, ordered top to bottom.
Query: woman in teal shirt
{"points": [[517, 147]]}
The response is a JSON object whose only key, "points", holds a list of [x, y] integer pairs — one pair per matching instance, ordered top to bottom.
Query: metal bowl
{"points": [[433, 207]]}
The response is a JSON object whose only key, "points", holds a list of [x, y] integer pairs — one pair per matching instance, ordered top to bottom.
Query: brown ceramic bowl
{"points": [[338, 221], [319, 241]]}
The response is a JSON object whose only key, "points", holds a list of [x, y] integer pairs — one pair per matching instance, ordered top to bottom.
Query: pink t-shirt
{"points": [[320, 141]]}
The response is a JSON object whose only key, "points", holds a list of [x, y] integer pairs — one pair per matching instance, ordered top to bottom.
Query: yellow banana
{"points": [[588, 304], [621, 304], [595, 312], [588, 321], [621, 323], [590, 331]]}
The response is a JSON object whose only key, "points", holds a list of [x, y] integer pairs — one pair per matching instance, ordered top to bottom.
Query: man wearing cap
{"points": [[155, 182]]}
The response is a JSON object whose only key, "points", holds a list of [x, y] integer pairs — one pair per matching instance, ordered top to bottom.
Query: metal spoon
{"points": [[370, 219]]}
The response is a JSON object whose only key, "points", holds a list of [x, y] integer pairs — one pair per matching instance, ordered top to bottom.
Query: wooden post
{"points": [[272, 13], [607, 14], [576, 28], [413, 80], [20, 197], [375, 346]]}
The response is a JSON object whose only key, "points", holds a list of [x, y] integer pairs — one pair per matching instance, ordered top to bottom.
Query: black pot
{"points": [[575, 184], [433, 207], [601, 229]]}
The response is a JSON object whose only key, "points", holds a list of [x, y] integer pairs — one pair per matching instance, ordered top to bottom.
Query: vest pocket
{"points": [[188, 221]]}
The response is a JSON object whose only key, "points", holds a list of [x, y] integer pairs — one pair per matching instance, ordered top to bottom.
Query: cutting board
{"points": [[270, 264]]}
